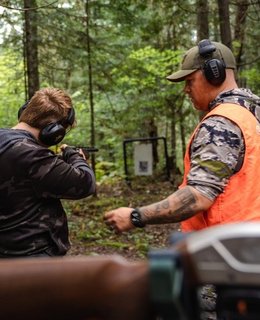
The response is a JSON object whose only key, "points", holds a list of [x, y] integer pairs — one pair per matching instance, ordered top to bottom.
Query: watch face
{"points": [[136, 219]]}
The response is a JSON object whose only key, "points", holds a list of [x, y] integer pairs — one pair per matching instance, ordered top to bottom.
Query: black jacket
{"points": [[32, 181]]}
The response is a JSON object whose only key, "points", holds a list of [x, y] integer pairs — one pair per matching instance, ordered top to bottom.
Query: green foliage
{"points": [[134, 45], [146, 68], [252, 77], [143, 81], [11, 86], [106, 170]]}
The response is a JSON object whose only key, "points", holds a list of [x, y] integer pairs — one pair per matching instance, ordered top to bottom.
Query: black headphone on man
{"points": [[213, 69], [54, 132]]}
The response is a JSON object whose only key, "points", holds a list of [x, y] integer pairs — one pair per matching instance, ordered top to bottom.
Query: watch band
{"points": [[136, 218]]}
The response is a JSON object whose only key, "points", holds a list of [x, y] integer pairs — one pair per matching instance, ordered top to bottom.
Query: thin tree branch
{"points": [[29, 9]]}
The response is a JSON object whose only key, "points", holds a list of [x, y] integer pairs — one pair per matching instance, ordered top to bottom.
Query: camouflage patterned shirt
{"points": [[218, 148], [33, 180]]}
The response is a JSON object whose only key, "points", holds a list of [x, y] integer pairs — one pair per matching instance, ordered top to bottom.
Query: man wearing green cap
{"points": [[222, 169]]}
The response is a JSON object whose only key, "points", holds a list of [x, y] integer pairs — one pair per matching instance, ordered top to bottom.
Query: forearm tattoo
{"points": [[179, 206]]}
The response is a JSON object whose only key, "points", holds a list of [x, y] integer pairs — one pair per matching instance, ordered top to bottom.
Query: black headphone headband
{"points": [[213, 69], [22, 108], [71, 117], [54, 132]]}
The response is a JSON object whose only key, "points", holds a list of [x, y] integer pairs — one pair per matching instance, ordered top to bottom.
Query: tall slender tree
{"points": [[202, 19], [224, 23], [239, 32], [31, 46], [90, 84]]}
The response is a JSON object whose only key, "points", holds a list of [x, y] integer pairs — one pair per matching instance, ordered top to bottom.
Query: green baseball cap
{"points": [[193, 61]]}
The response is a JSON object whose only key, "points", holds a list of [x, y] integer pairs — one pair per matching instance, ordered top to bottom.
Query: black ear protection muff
{"points": [[213, 69], [54, 132]]}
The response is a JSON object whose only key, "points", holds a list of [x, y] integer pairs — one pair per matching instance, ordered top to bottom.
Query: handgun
{"points": [[85, 149]]}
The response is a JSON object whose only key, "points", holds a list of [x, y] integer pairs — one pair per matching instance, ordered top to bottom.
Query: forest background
{"points": [[113, 57]]}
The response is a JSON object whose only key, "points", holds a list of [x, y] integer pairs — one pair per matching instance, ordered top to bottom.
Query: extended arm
{"points": [[216, 154], [51, 176], [179, 206]]}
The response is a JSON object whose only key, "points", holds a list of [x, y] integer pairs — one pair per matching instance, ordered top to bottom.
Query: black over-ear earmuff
{"points": [[213, 69], [54, 132]]}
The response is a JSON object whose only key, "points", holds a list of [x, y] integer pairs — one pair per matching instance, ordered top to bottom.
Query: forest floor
{"points": [[90, 236]]}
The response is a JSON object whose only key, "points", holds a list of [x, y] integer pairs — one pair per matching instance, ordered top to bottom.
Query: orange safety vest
{"points": [[240, 200]]}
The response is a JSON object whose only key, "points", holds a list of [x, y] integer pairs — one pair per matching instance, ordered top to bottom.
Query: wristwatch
{"points": [[136, 218]]}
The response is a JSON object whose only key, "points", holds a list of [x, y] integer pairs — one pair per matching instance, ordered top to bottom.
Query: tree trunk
{"points": [[202, 19], [224, 22], [202, 25], [239, 37], [31, 46], [90, 86], [174, 108], [153, 133], [173, 164]]}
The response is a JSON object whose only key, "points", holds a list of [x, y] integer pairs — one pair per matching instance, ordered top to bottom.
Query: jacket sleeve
{"points": [[216, 153], [51, 176]]}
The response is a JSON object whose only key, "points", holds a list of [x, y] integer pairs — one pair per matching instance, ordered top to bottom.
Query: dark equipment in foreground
{"points": [[226, 256], [164, 287], [73, 288]]}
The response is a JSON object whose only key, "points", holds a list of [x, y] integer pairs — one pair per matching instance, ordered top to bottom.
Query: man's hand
{"points": [[63, 147], [80, 151], [119, 219]]}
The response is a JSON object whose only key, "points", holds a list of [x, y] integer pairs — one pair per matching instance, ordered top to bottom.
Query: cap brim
{"points": [[180, 75]]}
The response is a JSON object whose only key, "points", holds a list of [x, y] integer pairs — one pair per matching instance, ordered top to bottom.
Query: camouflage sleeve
{"points": [[217, 152]]}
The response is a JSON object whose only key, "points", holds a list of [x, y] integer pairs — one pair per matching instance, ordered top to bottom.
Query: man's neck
{"points": [[27, 127]]}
